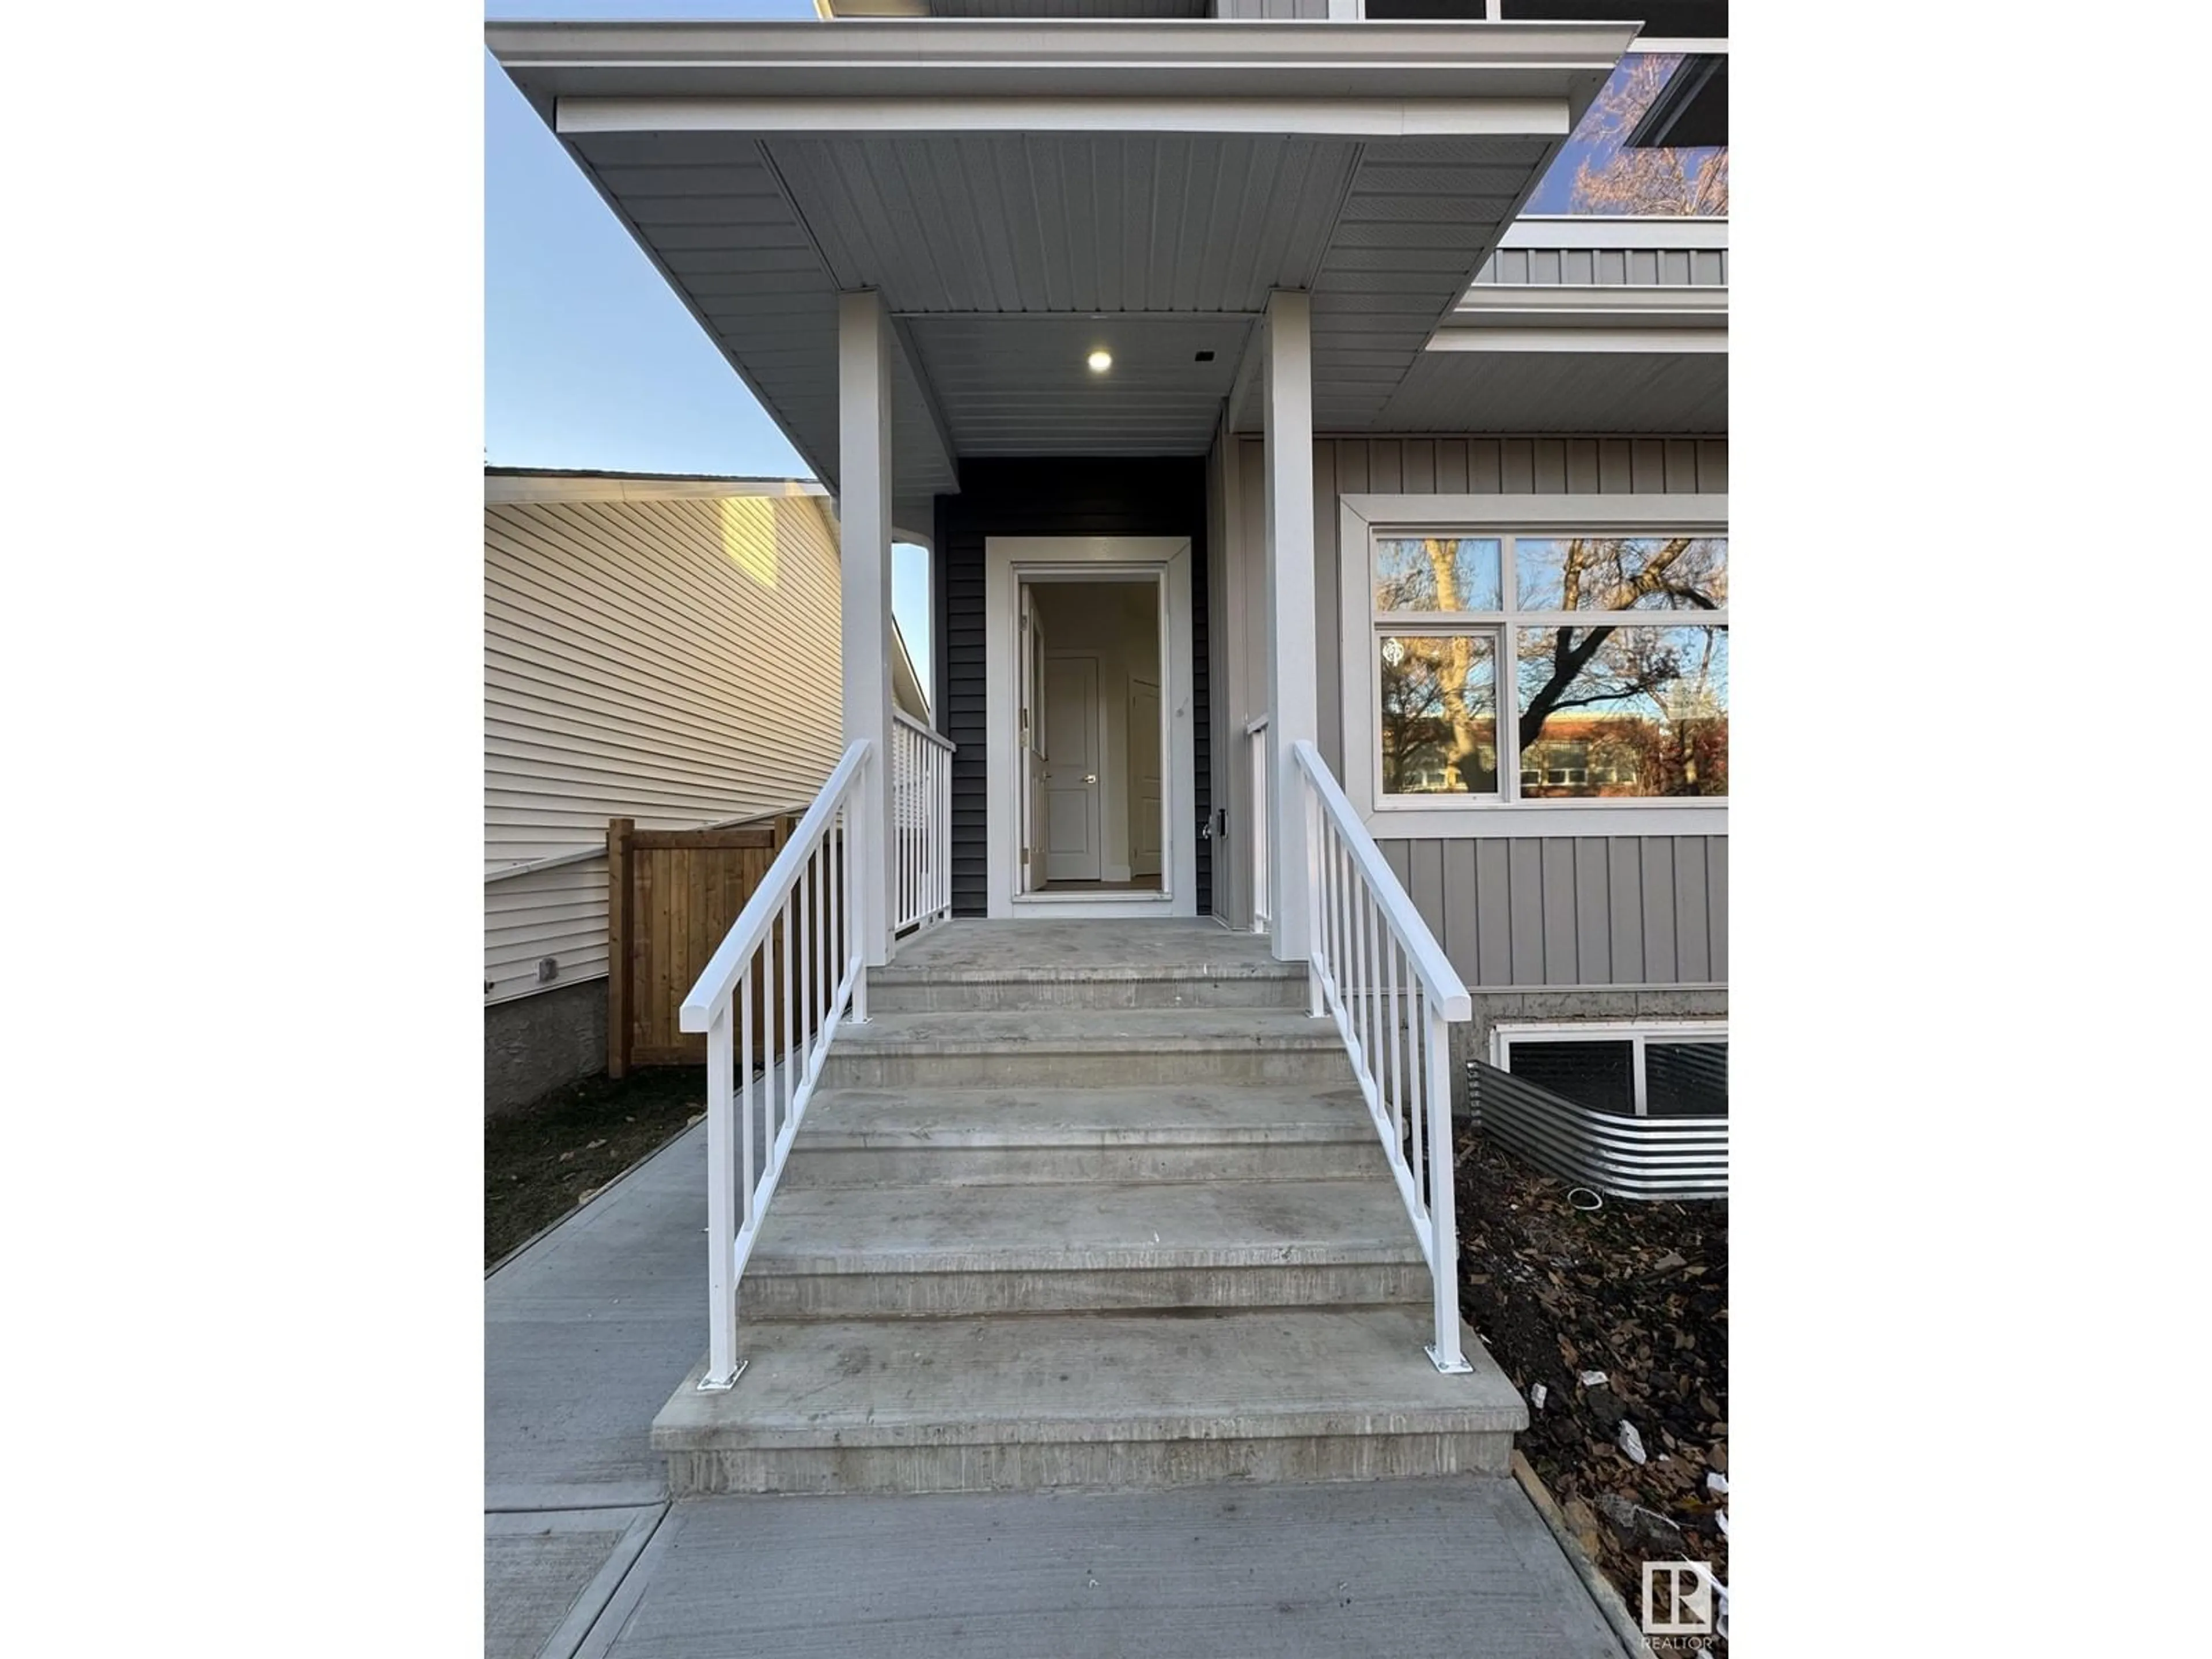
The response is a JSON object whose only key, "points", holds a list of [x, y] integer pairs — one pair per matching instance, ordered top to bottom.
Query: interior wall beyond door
{"points": [[1117, 624]]}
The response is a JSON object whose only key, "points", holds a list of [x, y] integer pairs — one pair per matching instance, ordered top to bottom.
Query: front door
{"points": [[1075, 849]]}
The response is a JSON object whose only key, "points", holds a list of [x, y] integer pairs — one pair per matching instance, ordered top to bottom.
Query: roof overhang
{"points": [[1021, 192]]}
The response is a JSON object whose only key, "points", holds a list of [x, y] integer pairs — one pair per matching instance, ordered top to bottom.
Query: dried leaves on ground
{"points": [[1619, 1314]]}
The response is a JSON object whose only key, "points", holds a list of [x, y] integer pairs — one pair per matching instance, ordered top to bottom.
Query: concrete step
{"points": [[897, 989], [1115, 1049], [1211, 1132], [868, 1252], [1098, 1401]]}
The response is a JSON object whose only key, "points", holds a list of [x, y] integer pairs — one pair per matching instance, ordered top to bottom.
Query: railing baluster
{"points": [[822, 990], [790, 1009], [1397, 1043], [745, 1099], [1425, 1107]]}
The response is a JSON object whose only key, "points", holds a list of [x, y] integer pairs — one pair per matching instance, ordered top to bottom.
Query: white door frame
{"points": [[1006, 560]]}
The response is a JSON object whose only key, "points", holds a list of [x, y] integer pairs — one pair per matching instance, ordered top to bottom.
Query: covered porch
{"points": [[998, 280]]}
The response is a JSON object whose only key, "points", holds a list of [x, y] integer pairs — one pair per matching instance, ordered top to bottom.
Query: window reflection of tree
{"points": [[1619, 672], [1439, 732]]}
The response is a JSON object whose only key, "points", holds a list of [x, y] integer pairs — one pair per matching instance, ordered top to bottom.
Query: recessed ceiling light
{"points": [[1100, 361]]}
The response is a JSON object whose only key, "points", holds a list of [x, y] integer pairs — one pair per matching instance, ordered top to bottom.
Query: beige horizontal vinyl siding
{"points": [[673, 661]]}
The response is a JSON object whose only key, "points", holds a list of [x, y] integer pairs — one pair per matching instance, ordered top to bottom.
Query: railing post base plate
{"points": [[1452, 1365], [707, 1385]]}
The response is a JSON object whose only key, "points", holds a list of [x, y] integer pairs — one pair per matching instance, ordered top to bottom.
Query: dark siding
{"points": [[1054, 497]]}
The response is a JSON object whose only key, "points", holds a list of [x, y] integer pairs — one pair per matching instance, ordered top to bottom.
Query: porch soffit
{"points": [[1002, 253]]}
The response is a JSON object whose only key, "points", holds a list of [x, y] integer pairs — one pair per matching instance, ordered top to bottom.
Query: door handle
{"points": [[1091, 777]]}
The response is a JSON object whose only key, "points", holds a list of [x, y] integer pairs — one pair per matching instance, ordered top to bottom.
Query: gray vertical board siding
{"points": [[1275, 11], [1556, 267], [1445, 465], [1073, 496], [1536, 910], [1582, 910]]}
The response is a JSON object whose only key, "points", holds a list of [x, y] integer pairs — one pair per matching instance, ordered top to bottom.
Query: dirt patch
{"points": [[542, 1164], [1638, 1292]]}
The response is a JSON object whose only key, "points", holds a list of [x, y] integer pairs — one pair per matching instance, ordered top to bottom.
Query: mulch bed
{"points": [[541, 1163], [1639, 1291]]}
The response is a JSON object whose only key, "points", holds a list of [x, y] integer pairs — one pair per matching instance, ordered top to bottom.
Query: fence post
{"points": [[618, 939]]}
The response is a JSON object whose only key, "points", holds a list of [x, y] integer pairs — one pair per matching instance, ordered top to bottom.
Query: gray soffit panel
{"points": [[978, 173], [1095, 221], [1016, 385], [1589, 392]]}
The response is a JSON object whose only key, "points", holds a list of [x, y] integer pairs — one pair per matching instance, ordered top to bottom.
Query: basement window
{"points": [[1667, 1070]]}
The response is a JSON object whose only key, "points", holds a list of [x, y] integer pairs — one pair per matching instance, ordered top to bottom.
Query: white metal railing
{"points": [[1263, 775], [921, 818], [1378, 971], [778, 985]]}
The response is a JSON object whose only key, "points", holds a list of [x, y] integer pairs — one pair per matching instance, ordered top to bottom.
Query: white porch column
{"points": [[864, 521], [1293, 669]]}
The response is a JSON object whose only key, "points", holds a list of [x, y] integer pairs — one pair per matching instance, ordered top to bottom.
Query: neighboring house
{"points": [[1424, 253], [660, 649]]}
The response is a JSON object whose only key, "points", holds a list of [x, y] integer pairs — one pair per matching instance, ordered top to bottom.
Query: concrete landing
{"points": [[1174, 945], [1089, 1401], [1425, 1570]]}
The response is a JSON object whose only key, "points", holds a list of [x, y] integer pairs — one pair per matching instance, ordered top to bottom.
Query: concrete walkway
{"points": [[588, 1330]]}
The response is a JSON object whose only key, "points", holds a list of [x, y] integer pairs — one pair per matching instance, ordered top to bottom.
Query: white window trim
{"points": [[1362, 517], [1635, 1032]]}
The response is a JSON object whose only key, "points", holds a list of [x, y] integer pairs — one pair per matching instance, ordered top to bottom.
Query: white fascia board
{"points": [[1062, 58], [1344, 117], [1580, 231], [1493, 303], [1586, 336], [505, 488]]}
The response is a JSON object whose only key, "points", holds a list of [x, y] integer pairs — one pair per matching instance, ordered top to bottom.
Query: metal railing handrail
{"points": [[923, 729], [809, 905], [1428, 959], [719, 975], [1396, 1027]]}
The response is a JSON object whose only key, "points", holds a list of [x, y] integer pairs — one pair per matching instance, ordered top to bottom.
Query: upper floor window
{"points": [[1601, 172]]}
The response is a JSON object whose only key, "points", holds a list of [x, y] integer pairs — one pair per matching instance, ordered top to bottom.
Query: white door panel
{"points": [[1073, 842]]}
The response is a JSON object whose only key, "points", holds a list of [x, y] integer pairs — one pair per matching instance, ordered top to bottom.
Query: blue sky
{"points": [[590, 360]]}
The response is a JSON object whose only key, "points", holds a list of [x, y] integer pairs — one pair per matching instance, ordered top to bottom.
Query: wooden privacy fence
{"points": [[672, 895]]}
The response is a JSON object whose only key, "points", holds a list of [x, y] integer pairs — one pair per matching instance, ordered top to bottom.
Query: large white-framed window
{"points": [[1535, 665], [1641, 1068]]}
